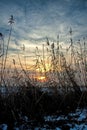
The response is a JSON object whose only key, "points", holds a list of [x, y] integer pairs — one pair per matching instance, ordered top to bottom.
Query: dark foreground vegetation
{"points": [[35, 103]]}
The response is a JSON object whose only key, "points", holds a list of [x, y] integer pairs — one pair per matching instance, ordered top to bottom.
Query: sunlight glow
{"points": [[42, 79]]}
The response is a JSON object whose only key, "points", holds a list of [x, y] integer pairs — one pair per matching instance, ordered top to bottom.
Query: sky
{"points": [[34, 20]]}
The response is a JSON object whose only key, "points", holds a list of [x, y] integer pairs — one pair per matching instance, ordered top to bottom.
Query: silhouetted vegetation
{"points": [[64, 90]]}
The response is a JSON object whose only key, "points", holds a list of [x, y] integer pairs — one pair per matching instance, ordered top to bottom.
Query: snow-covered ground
{"points": [[73, 121]]}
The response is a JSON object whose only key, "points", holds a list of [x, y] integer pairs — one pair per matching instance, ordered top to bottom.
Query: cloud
{"points": [[36, 20]]}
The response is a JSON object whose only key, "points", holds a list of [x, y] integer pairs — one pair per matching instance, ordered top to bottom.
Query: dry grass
{"points": [[69, 88]]}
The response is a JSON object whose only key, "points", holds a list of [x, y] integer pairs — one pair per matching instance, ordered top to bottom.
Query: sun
{"points": [[41, 78]]}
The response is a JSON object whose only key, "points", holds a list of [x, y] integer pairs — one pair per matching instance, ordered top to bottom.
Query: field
{"points": [[52, 96]]}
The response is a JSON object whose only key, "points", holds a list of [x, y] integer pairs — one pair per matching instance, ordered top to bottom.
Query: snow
{"points": [[83, 115], [55, 118], [74, 121], [3, 126], [79, 127], [58, 129]]}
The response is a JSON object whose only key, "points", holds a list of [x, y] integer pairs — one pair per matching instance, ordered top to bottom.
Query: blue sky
{"points": [[37, 19]]}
